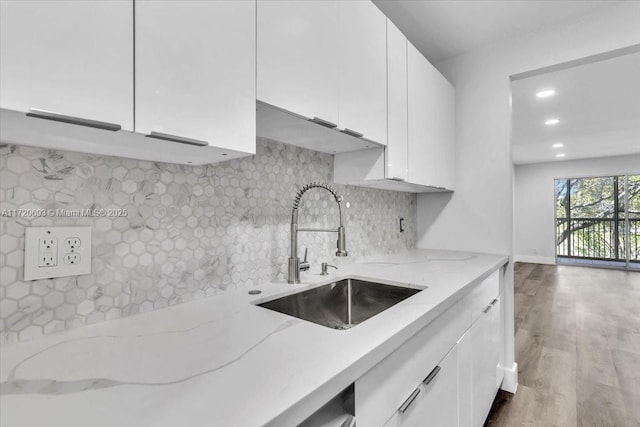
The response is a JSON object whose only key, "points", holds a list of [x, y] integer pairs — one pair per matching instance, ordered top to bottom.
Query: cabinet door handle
{"points": [[50, 115], [323, 122], [352, 133], [179, 139], [495, 301], [486, 310], [431, 375], [409, 400]]}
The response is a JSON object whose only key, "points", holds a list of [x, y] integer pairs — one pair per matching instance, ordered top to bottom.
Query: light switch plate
{"points": [[56, 252]]}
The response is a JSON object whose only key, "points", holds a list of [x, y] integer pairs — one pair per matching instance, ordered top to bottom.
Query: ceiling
{"points": [[443, 29], [598, 105]]}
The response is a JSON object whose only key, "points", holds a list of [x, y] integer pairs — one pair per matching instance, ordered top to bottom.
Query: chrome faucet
{"points": [[294, 261]]}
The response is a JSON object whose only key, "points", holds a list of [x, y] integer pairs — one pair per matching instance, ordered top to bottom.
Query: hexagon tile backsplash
{"points": [[189, 232]]}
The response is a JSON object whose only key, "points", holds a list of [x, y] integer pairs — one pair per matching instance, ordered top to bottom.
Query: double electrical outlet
{"points": [[48, 251], [56, 252]]}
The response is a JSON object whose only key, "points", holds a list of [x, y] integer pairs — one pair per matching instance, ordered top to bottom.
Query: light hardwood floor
{"points": [[577, 348]]}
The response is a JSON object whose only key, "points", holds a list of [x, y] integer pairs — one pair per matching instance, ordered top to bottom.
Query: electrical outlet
{"points": [[72, 243], [48, 252], [56, 252], [72, 258]]}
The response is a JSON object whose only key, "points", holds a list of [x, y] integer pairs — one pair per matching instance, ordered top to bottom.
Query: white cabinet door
{"points": [[298, 49], [73, 58], [363, 69], [195, 71], [421, 108], [431, 116], [444, 131], [396, 152], [497, 330], [485, 360], [465, 380], [436, 405]]}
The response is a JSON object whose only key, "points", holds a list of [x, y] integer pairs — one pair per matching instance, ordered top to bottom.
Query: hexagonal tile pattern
{"points": [[183, 233]]}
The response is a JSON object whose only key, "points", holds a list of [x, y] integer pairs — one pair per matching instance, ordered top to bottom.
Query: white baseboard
{"points": [[535, 259], [510, 381]]}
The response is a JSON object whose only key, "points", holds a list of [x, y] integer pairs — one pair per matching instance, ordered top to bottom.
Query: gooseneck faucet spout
{"points": [[294, 260]]}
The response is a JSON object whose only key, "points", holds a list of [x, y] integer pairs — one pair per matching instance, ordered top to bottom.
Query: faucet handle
{"points": [[304, 264], [324, 267]]}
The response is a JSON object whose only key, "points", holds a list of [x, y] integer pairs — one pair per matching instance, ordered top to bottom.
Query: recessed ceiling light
{"points": [[545, 93], [552, 122], [558, 145], [560, 155]]}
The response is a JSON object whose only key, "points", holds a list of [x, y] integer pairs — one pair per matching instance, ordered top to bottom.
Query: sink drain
{"points": [[255, 292]]}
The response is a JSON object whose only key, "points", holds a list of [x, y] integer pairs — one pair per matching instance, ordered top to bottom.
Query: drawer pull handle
{"points": [[50, 115], [323, 122], [352, 133], [179, 139], [494, 301], [486, 310], [431, 375], [409, 400]]}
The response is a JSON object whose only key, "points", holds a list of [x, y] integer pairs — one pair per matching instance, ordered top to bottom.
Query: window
{"points": [[598, 220]]}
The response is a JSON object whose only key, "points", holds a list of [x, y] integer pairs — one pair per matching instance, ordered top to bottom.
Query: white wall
{"points": [[534, 200], [479, 214]]}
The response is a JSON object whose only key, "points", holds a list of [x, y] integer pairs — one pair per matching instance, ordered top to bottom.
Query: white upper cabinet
{"points": [[298, 49], [73, 58], [363, 70], [195, 71], [431, 129], [444, 129], [396, 152], [419, 155]]}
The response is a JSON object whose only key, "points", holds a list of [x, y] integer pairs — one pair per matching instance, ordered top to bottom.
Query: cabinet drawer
{"points": [[471, 306], [381, 391], [436, 405]]}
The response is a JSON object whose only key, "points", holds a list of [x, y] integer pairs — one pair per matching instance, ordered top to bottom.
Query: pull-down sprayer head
{"points": [[294, 261]]}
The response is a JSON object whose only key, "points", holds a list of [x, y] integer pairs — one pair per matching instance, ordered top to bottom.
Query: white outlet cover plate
{"points": [[32, 238]]}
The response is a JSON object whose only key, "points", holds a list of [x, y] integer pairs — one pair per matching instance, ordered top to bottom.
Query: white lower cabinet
{"points": [[497, 332], [480, 351], [482, 369], [445, 375], [465, 380], [382, 391], [436, 403]]}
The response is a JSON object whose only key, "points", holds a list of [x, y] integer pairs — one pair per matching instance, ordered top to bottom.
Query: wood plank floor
{"points": [[577, 348]]}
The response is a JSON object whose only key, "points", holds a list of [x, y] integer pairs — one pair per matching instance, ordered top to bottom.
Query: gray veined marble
{"points": [[190, 232], [163, 344]]}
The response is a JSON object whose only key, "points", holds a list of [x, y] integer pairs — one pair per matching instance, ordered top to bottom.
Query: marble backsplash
{"points": [[190, 231]]}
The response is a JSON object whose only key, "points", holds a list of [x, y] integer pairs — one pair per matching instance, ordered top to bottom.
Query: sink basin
{"points": [[342, 304]]}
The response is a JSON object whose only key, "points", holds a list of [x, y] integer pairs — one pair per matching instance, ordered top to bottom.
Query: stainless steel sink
{"points": [[342, 304]]}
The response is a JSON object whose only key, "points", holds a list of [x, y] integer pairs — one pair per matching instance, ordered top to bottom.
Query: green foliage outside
{"points": [[588, 223]]}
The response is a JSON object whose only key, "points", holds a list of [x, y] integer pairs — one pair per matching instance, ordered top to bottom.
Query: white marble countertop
{"points": [[222, 361]]}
